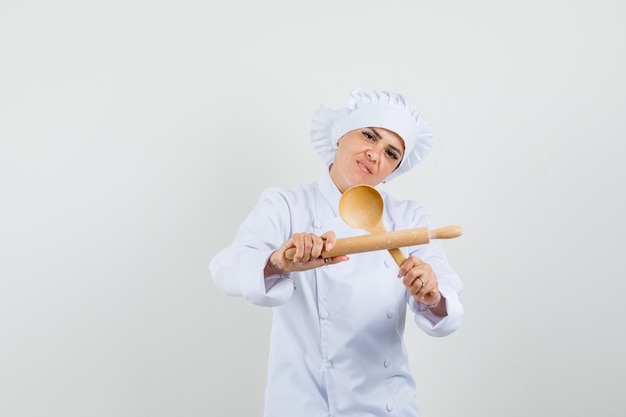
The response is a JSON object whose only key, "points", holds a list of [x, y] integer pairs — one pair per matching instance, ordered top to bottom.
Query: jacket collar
{"points": [[329, 191]]}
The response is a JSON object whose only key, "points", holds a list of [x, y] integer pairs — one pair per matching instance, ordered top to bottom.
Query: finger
{"points": [[330, 239], [299, 240], [296, 243], [308, 243], [290, 244], [318, 246], [338, 259], [318, 262], [408, 264], [406, 267], [414, 273], [409, 279], [424, 285], [419, 286], [428, 293], [430, 298]]}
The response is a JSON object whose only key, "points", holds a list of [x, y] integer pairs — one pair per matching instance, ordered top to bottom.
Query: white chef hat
{"points": [[372, 108]]}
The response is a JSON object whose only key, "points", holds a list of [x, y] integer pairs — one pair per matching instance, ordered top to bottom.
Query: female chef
{"points": [[336, 345]]}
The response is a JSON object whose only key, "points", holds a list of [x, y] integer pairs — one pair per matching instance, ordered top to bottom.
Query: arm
{"points": [[254, 265], [239, 268], [421, 282], [449, 286], [437, 304]]}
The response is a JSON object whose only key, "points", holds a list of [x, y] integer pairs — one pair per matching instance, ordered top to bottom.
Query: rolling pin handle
{"points": [[447, 232]]}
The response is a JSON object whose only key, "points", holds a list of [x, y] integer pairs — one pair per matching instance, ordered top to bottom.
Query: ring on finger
{"points": [[423, 282]]}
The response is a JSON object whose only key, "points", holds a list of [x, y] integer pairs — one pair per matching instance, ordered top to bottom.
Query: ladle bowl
{"points": [[361, 206]]}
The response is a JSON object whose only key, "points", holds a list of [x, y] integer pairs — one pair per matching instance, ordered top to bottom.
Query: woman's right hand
{"points": [[308, 253]]}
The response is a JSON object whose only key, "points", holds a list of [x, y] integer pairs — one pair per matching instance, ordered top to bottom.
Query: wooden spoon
{"points": [[361, 207]]}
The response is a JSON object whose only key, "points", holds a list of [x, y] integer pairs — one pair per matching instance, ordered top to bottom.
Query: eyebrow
{"points": [[380, 137]]}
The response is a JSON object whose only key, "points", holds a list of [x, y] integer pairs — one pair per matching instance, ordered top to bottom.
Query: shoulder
{"points": [[287, 195], [410, 212]]}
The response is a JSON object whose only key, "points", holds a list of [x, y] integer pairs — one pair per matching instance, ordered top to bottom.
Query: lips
{"points": [[364, 167]]}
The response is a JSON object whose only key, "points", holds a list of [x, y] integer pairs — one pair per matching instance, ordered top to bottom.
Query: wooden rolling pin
{"points": [[386, 240]]}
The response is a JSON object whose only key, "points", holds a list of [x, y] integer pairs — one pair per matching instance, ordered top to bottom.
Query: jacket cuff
{"points": [[271, 291], [435, 325]]}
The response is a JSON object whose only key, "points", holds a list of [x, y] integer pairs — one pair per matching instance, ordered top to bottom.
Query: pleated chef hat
{"points": [[372, 108]]}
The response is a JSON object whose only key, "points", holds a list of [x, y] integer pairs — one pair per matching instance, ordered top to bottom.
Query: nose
{"points": [[373, 154]]}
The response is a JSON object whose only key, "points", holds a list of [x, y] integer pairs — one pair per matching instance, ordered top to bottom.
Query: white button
{"points": [[317, 224], [388, 263], [390, 313], [324, 314], [387, 363], [328, 364], [390, 407]]}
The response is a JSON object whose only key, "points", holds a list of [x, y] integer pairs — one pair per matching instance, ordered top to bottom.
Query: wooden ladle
{"points": [[361, 207]]}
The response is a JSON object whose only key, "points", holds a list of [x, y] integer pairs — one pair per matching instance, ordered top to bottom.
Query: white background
{"points": [[136, 135]]}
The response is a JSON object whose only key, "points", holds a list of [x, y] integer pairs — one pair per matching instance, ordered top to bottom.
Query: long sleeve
{"points": [[237, 270], [450, 284], [450, 287]]}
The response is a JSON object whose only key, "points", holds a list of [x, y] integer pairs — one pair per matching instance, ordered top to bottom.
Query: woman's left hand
{"points": [[421, 282]]}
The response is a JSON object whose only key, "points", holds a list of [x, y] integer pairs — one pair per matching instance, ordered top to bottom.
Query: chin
{"points": [[362, 180]]}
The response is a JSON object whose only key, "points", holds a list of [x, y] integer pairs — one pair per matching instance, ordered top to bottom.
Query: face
{"points": [[366, 156]]}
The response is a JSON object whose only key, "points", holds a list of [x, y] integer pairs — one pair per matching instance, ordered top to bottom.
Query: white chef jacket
{"points": [[336, 345]]}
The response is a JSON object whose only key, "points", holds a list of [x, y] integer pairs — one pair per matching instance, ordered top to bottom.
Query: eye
{"points": [[368, 135], [392, 154]]}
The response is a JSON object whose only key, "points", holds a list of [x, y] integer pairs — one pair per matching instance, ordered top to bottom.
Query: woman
{"points": [[337, 333]]}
